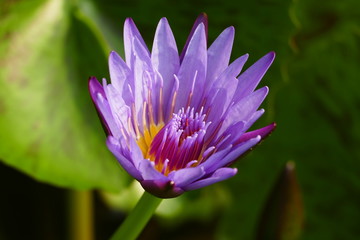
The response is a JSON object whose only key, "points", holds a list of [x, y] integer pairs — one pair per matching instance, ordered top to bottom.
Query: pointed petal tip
{"points": [[202, 16], [202, 19], [129, 20], [164, 20], [128, 23], [163, 25], [230, 30], [113, 53], [271, 55], [243, 58], [265, 61], [91, 79], [92, 84], [94, 87], [266, 90], [262, 92], [261, 111], [272, 126], [266, 131], [258, 134], [225, 172]]}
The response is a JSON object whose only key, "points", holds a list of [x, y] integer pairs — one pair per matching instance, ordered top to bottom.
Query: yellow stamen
{"points": [[145, 140], [142, 145]]}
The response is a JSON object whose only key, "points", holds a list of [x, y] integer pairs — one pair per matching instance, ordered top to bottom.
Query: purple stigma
{"points": [[180, 143]]}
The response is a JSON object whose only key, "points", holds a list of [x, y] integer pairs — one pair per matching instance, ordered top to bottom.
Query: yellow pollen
{"points": [[146, 138]]}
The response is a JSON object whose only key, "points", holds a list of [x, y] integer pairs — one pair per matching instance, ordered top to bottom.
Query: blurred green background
{"points": [[49, 129]]}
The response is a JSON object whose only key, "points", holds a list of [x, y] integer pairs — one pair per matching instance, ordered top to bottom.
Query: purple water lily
{"points": [[176, 122]]}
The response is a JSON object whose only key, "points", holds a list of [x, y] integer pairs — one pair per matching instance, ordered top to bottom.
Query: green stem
{"points": [[81, 215], [138, 218]]}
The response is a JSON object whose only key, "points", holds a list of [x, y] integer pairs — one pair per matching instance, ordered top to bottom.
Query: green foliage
{"points": [[48, 126]]}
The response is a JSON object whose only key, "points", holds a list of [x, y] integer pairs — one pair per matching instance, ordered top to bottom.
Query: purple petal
{"points": [[202, 18], [131, 32], [140, 51], [219, 54], [165, 58], [142, 65], [236, 66], [193, 68], [232, 71], [120, 75], [252, 76], [227, 80], [229, 84], [154, 87], [95, 88], [215, 104], [248, 105], [102, 106], [244, 109], [120, 111], [169, 111], [254, 117], [233, 132], [263, 132], [135, 152], [236, 152], [208, 163], [128, 165], [148, 171], [219, 175], [186, 176], [161, 189]]}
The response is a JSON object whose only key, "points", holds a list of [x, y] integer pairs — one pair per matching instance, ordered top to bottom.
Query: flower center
{"points": [[180, 143]]}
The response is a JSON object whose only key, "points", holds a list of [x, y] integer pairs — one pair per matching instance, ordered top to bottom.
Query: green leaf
{"points": [[48, 125]]}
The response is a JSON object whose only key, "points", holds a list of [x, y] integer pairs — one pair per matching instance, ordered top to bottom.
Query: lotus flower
{"points": [[176, 122]]}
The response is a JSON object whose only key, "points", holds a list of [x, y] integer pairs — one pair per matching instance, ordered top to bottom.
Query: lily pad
{"points": [[48, 125]]}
